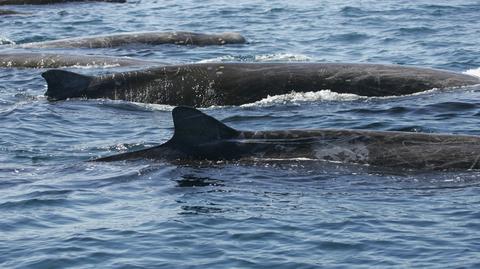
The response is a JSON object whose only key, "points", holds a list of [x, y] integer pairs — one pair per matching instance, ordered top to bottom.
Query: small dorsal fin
{"points": [[193, 127]]}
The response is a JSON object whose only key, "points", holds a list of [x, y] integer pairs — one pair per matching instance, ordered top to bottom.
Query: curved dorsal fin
{"points": [[65, 84], [193, 127]]}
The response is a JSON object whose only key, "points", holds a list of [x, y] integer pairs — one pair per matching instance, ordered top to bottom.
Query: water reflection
{"points": [[190, 180]]}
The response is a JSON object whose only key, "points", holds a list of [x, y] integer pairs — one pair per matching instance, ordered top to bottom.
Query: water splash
{"points": [[6, 41], [274, 57], [282, 57], [225, 58], [473, 72], [298, 97]]}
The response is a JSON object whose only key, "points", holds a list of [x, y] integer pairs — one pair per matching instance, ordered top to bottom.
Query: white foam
{"points": [[6, 41], [276, 57], [282, 57], [226, 58], [473, 72], [426, 92], [328, 95], [296, 97], [156, 107]]}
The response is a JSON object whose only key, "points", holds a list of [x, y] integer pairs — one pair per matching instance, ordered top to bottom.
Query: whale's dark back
{"points": [[204, 85], [198, 136]]}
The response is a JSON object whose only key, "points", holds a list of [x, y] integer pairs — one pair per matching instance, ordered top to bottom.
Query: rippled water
{"points": [[58, 211]]}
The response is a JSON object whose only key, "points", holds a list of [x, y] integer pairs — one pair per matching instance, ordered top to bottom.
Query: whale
{"points": [[46, 2], [143, 38], [55, 60], [208, 84], [200, 137]]}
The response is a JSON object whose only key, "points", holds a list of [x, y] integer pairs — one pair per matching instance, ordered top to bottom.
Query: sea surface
{"points": [[59, 211]]}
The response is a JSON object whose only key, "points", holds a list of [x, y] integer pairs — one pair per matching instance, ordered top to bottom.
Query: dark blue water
{"points": [[58, 211]]}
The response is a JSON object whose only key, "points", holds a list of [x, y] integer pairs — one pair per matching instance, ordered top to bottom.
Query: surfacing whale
{"points": [[46, 2], [144, 38], [51, 60], [203, 85], [198, 136]]}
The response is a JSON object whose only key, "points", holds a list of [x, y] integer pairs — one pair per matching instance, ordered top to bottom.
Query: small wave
{"points": [[275, 10], [350, 11], [421, 30], [348, 37], [473, 72], [296, 97], [452, 106], [33, 203]]}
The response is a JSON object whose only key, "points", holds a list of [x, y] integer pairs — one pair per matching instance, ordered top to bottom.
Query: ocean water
{"points": [[59, 211]]}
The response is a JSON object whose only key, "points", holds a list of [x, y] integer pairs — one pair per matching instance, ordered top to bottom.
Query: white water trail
{"points": [[275, 57], [473, 72], [297, 97]]}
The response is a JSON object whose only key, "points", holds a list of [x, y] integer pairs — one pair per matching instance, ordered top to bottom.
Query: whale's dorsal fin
{"points": [[65, 84], [193, 127]]}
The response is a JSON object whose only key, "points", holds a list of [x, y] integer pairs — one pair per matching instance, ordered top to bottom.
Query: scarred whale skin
{"points": [[45, 2], [145, 38], [51, 60], [203, 85], [198, 136]]}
